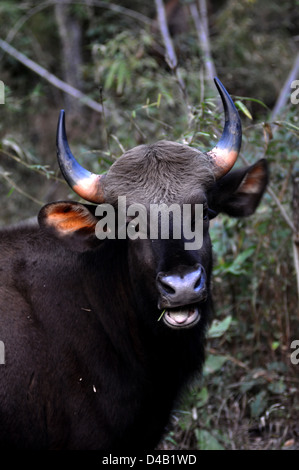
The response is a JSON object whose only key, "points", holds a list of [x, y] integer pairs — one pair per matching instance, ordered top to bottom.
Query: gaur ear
{"points": [[239, 192], [71, 222]]}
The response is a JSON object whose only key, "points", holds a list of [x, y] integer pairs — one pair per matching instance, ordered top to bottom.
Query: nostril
{"points": [[198, 281], [197, 284], [166, 287]]}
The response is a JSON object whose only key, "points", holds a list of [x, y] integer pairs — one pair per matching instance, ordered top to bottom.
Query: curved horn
{"points": [[227, 149], [87, 185]]}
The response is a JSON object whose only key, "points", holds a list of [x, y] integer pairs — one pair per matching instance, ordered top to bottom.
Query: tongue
{"points": [[179, 317]]}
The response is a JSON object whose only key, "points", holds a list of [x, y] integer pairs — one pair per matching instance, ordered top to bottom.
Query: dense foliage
{"points": [[248, 396]]}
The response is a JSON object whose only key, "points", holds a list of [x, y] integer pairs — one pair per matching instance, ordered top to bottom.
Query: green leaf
{"points": [[111, 75], [123, 75], [159, 100], [254, 100], [241, 106], [288, 125], [10, 192], [236, 267], [218, 328], [275, 345], [214, 363], [278, 366], [246, 386], [277, 387], [203, 397], [258, 405], [206, 441]]}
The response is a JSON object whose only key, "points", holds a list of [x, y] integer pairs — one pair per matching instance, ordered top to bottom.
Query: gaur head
{"points": [[166, 276]]}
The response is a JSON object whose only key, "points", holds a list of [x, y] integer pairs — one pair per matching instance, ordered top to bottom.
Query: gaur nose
{"points": [[181, 288]]}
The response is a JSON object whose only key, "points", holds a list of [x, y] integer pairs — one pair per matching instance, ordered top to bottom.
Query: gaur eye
{"points": [[205, 214]]}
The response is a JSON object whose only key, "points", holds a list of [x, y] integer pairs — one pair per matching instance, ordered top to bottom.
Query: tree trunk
{"points": [[70, 34]]}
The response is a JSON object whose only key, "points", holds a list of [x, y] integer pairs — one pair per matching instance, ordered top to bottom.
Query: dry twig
{"points": [[170, 54], [50, 77]]}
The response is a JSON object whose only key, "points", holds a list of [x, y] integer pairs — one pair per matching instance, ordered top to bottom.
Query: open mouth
{"points": [[181, 317]]}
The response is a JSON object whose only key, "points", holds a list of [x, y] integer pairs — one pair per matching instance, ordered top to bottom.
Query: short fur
{"points": [[157, 173]]}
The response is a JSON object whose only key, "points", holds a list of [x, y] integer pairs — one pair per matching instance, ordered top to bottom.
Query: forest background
{"points": [[129, 72]]}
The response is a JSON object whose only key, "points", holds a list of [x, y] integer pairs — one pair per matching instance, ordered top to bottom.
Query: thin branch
{"points": [[111, 6], [203, 10], [135, 15], [201, 26], [170, 54], [43, 72], [284, 94], [84, 99], [281, 102], [40, 170], [5, 175], [276, 200], [295, 207], [281, 208], [296, 264]]}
